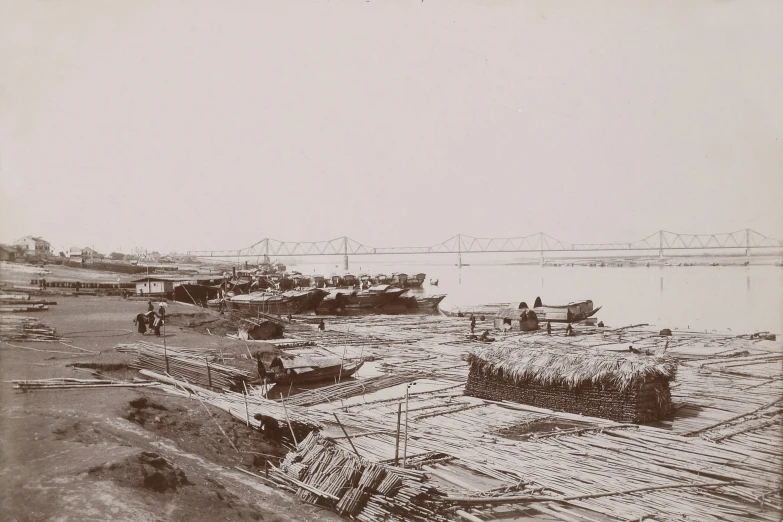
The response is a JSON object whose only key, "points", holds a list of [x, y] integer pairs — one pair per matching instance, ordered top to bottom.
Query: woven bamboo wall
{"points": [[642, 402]]}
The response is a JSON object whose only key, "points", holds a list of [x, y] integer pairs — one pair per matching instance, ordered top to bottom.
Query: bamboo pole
{"points": [[285, 410], [346, 434], [397, 438], [529, 498]]}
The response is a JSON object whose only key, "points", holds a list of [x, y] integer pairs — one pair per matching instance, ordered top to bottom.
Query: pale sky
{"points": [[184, 125]]}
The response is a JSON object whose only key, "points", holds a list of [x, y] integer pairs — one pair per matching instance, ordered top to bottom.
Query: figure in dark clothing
{"points": [[78, 285], [150, 306], [290, 318], [141, 322], [155, 322], [472, 323], [601, 324], [321, 326], [548, 328], [569, 330], [270, 426]]}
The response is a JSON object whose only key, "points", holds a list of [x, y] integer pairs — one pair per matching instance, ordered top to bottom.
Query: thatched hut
{"points": [[516, 318], [624, 387]]}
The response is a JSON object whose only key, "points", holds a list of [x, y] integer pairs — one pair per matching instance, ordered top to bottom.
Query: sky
{"points": [[185, 125]]}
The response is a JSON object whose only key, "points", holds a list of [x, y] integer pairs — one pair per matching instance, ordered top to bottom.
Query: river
{"points": [[736, 298]]}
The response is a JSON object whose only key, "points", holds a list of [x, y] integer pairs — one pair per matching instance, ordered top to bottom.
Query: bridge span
{"points": [[542, 243]]}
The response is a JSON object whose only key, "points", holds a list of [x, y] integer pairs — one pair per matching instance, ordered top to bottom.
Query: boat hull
{"points": [[316, 375]]}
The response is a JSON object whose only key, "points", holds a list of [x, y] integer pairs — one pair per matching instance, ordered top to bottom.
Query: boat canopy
{"points": [[297, 362]]}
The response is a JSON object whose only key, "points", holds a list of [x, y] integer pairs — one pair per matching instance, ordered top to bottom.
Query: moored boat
{"points": [[399, 279], [415, 281], [429, 302], [281, 303], [573, 312], [289, 369]]}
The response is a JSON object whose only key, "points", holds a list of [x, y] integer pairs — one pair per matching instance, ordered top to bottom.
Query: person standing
{"points": [[150, 306], [141, 322], [472, 323], [322, 326], [549, 328]]}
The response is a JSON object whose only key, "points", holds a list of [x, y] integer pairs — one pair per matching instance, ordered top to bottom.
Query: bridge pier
{"points": [[747, 252], [660, 254], [542, 258], [459, 260], [345, 262]]}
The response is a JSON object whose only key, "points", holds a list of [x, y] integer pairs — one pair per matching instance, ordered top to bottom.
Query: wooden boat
{"points": [[380, 279], [399, 279], [415, 281], [369, 299], [429, 302], [281, 303], [414, 303], [573, 312], [289, 369]]}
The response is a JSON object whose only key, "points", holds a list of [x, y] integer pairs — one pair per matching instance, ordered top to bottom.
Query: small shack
{"points": [[155, 285], [516, 318], [623, 387]]}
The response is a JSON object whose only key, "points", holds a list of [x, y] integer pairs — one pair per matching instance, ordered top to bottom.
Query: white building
{"points": [[34, 245]]}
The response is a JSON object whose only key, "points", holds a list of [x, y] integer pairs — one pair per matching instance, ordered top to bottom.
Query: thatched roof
{"points": [[550, 366]]}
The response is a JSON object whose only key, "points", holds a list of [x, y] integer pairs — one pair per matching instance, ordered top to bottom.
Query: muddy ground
{"points": [[125, 454]]}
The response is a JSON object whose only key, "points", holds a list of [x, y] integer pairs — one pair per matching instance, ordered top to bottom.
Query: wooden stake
{"points": [[247, 410], [285, 410], [346, 435], [397, 442]]}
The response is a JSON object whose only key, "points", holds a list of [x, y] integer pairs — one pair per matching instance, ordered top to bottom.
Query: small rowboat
{"points": [[297, 370]]}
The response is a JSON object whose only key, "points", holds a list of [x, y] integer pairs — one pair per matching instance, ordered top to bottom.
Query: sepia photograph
{"points": [[391, 260]]}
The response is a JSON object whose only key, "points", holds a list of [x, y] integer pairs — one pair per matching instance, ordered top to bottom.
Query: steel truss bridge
{"points": [[660, 241]]}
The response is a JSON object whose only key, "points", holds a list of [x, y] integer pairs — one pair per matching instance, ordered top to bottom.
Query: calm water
{"points": [[742, 299]]}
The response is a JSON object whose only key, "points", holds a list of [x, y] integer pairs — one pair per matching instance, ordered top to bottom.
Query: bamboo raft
{"points": [[717, 459]]}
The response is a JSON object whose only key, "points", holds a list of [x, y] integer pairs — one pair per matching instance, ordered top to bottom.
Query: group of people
{"points": [[151, 318]]}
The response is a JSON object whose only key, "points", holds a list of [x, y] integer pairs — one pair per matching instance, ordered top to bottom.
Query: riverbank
{"points": [[125, 453]]}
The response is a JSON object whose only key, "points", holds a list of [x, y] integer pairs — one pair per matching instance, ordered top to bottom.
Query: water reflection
{"points": [[704, 297]]}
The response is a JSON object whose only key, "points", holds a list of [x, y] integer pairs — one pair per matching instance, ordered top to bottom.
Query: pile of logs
{"points": [[15, 328], [189, 368]]}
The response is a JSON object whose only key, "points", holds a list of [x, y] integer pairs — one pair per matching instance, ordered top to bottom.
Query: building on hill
{"points": [[34, 246], [90, 254], [623, 387]]}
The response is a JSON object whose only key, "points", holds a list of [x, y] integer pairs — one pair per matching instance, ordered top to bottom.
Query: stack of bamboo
{"points": [[14, 328], [177, 350], [192, 369], [325, 473]]}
